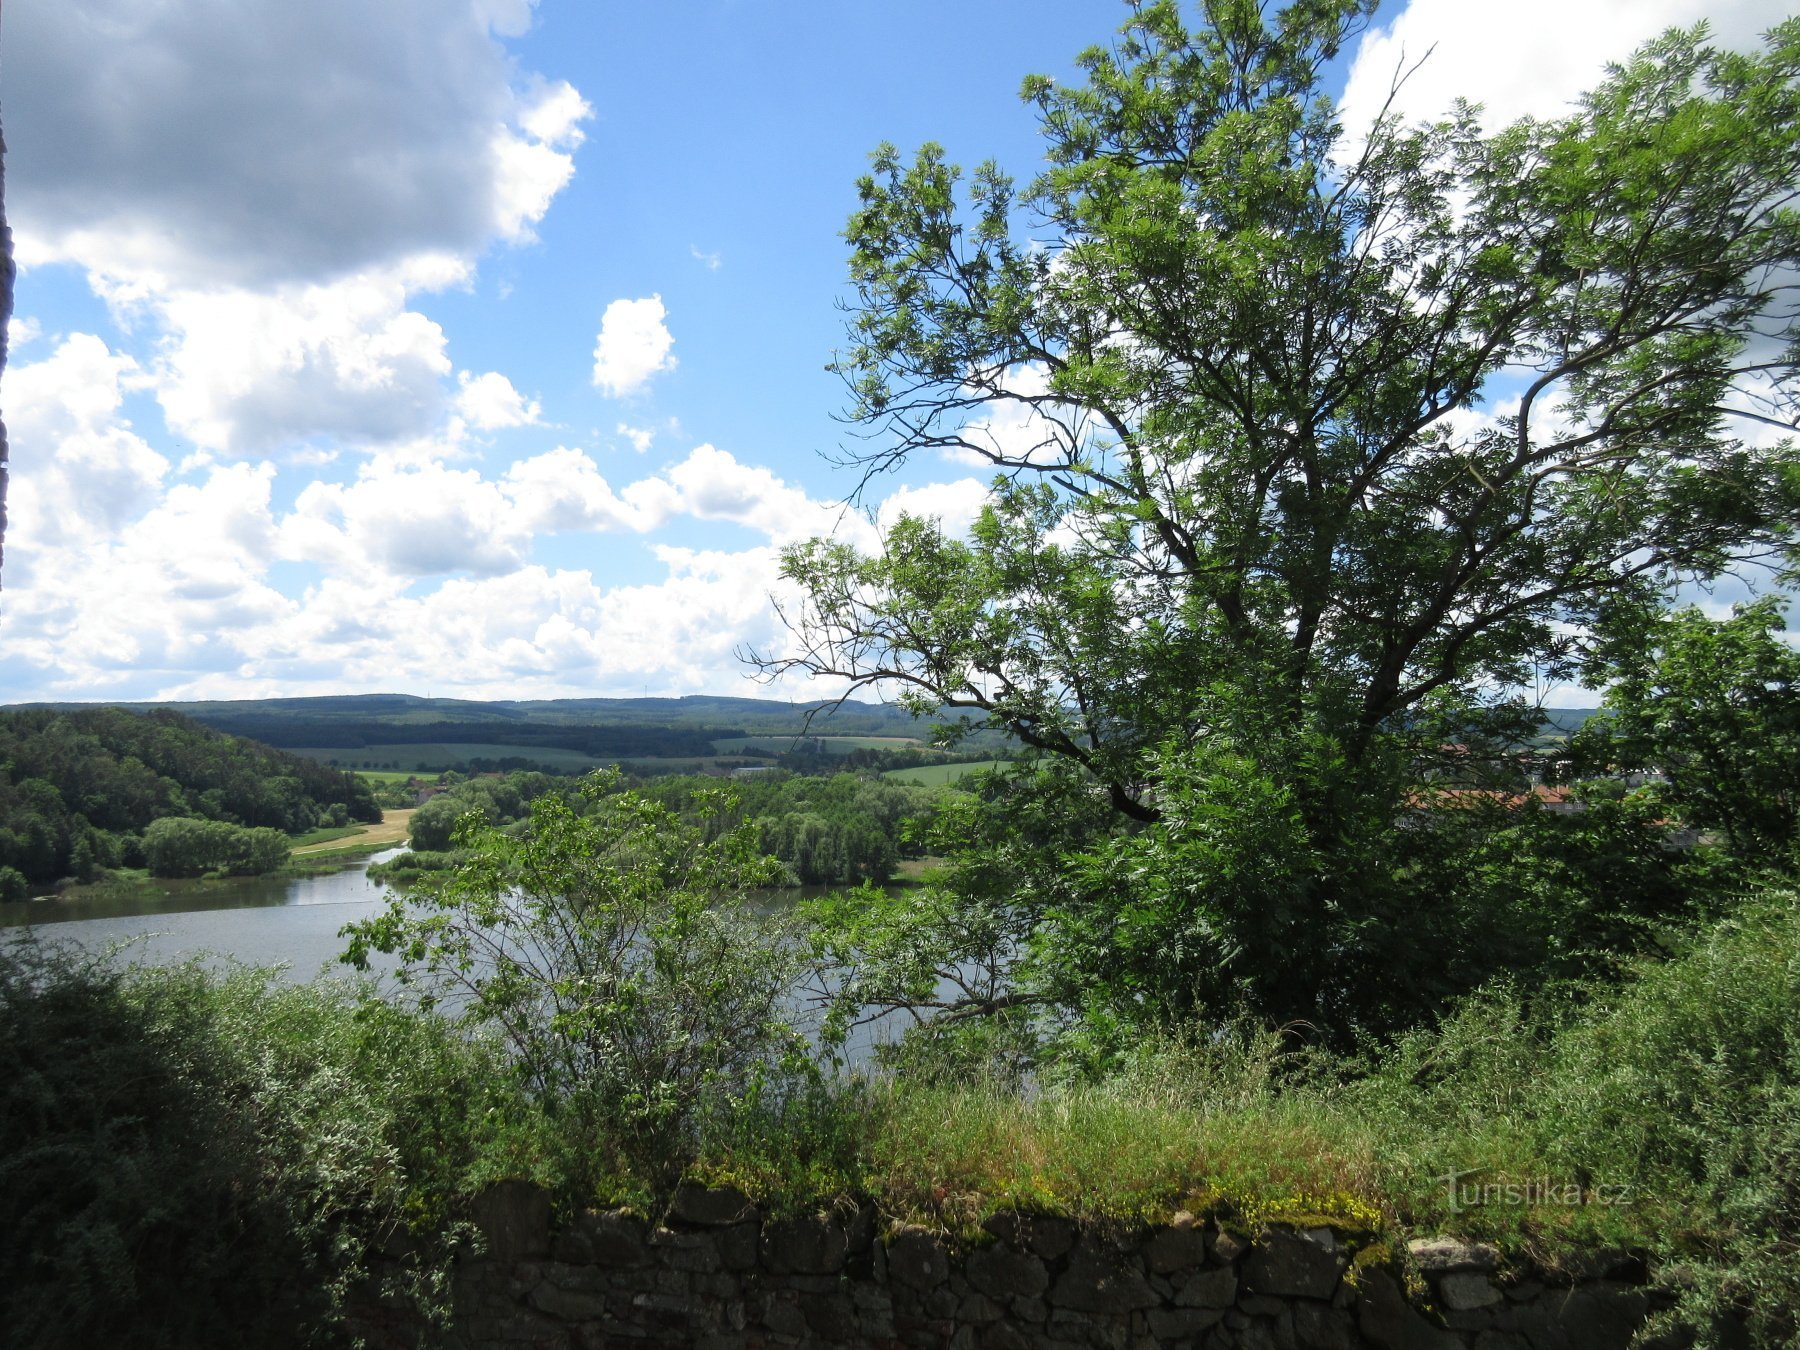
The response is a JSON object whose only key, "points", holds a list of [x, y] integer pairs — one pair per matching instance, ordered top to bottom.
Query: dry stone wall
{"points": [[716, 1274]]}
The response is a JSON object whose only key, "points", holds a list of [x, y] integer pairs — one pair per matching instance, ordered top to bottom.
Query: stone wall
{"points": [[715, 1273]]}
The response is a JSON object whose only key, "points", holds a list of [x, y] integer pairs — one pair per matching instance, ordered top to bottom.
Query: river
{"points": [[260, 921]]}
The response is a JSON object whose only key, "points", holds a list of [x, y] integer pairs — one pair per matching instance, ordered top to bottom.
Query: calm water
{"points": [[258, 920]]}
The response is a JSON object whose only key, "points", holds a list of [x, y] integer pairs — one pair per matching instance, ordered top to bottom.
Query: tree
{"points": [[1327, 443], [1714, 709], [612, 950]]}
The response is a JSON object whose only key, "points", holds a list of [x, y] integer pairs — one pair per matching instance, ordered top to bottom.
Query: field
{"points": [[834, 745], [435, 756], [936, 775], [391, 830]]}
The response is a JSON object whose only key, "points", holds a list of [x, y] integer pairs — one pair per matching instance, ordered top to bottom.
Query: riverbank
{"points": [[392, 829]]}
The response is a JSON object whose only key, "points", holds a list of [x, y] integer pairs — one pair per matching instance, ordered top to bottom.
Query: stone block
{"points": [[710, 1206], [513, 1218], [809, 1246], [1173, 1249], [1440, 1256], [916, 1259], [1293, 1265], [1000, 1271], [1102, 1281], [1215, 1288], [1466, 1290], [1389, 1322]]}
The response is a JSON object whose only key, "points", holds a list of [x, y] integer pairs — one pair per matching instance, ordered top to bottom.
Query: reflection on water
{"points": [[257, 920]]}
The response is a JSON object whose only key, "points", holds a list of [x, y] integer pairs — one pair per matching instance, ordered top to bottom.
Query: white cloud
{"points": [[1535, 60], [258, 142], [261, 188], [712, 262], [633, 345], [249, 372], [489, 402], [640, 437]]}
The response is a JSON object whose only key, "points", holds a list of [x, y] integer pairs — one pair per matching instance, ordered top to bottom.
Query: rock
{"points": [[710, 1206], [514, 1220], [613, 1239], [811, 1246], [1227, 1246], [1175, 1249], [692, 1252], [1440, 1256], [915, 1259], [1293, 1265], [1004, 1273], [1101, 1281], [1209, 1289], [1466, 1290], [569, 1305], [831, 1317], [1388, 1321], [1174, 1324], [1322, 1328]]}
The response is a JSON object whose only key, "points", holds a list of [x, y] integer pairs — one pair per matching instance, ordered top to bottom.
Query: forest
{"points": [[81, 789]]}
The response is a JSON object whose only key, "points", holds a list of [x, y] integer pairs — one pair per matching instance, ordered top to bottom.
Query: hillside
{"points": [[78, 787]]}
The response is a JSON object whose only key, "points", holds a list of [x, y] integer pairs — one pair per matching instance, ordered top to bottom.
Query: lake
{"points": [[257, 920]]}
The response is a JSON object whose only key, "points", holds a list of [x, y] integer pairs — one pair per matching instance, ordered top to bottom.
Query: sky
{"points": [[477, 348]]}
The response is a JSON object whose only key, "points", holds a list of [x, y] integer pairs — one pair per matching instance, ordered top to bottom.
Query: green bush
{"points": [[177, 846], [616, 955], [187, 1159]]}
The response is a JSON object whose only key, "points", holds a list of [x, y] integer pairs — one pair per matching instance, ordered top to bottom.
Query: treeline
{"points": [[625, 742], [78, 790], [841, 829], [837, 830]]}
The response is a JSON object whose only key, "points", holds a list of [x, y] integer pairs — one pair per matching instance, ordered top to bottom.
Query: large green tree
{"points": [[1308, 446]]}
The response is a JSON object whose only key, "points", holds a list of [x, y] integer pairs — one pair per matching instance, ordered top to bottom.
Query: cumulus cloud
{"points": [[1535, 60], [258, 142], [262, 187], [633, 345], [247, 372], [489, 402]]}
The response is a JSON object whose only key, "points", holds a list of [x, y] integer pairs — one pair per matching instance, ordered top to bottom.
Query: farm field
{"points": [[834, 745], [436, 756], [936, 775], [391, 830]]}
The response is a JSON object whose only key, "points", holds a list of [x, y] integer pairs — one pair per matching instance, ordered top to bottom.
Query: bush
{"points": [[177, 846], [615, 954], [190, 1160]]}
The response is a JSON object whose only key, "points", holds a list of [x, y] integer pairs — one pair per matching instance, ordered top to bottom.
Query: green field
{"points": [[834, 745], [436, 756], [936, 775], [378, 777]]}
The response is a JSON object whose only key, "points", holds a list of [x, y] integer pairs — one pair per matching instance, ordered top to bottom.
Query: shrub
{"points": [[177, 846], [616, 955]]}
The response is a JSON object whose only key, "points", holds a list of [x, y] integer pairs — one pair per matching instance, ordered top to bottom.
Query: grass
{"points": [[834, 745], [936, 775], [378, 777], [324, 834]]}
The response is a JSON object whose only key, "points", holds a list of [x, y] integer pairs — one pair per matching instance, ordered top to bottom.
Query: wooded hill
{"points": [[78, 788]]}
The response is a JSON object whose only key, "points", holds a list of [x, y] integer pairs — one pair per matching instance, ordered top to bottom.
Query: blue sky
{"points": [[476, 347]]}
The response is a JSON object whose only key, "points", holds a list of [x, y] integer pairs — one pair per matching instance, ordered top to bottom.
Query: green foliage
{"points": [[1257, 565], [1714, 707], [77, 788], [845, 828], [177, 846], [615, 954], [187, 1160]]}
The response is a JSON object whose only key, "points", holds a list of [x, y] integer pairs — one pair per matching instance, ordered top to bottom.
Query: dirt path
{"points": [[392, 830]]}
